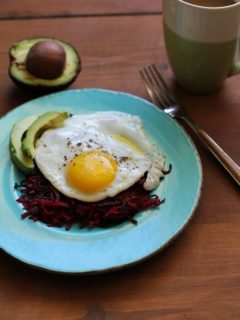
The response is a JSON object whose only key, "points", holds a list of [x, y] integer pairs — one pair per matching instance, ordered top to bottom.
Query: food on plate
{"points": [[43, 63], [46, 121], [19, 158], [95, 168]]}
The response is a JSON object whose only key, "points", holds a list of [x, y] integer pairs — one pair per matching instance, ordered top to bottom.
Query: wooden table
{"points": [[198, 276]]}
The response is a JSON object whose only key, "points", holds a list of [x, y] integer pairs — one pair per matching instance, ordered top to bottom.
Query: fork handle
{"points": [[215, 149]]}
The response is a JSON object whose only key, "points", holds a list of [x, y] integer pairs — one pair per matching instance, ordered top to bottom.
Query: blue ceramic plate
{"points": [[97, 250]]}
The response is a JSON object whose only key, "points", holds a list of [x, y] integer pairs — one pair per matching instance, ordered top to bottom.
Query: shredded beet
{"points": [[165, 172], [42, 202]]}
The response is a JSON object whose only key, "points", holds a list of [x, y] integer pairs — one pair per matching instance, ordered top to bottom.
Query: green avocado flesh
{"points": [[18, 72], [46, 121], [23, 162]]}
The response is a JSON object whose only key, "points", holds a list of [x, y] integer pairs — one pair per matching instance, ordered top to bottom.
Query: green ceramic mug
{"points": [[202, 42]]}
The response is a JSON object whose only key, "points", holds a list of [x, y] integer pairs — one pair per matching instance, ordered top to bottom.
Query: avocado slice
{"points": [[19, 73], [46, 121], [23, 162]]}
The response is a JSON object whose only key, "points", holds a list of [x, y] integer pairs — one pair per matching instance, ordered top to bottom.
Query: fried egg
{"points": [[95, 156]]}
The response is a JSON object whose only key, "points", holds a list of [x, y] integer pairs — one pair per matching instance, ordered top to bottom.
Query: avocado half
{"points": [[22, 77]]}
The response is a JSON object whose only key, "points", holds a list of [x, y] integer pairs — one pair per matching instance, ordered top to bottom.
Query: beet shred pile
{"points": [[42, 202]]}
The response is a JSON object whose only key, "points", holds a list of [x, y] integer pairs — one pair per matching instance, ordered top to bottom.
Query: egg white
{"points": [[98, 131]]}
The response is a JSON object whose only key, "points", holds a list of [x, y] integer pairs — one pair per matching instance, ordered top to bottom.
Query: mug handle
{"points": [[235, 69]]}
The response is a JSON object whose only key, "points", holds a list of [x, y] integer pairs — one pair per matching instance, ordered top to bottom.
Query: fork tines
{"points": [[156, 86]]}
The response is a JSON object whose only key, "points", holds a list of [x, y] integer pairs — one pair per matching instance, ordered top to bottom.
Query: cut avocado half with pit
{"points": [[19, 73], [46, 121], [22, 161]]}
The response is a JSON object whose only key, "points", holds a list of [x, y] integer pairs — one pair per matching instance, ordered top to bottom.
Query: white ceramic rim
{"points": [[220, 8]]}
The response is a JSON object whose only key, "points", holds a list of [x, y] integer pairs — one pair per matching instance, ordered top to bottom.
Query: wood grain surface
{"points": [[53, 8], [198, 276]]}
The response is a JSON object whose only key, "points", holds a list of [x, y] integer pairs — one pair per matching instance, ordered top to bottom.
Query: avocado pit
{"points": [[46, 60]]}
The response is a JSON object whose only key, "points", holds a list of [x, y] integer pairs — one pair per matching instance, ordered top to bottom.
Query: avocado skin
{"points": [[44, 86], [39, 89], [46, 121], [21, 161]]}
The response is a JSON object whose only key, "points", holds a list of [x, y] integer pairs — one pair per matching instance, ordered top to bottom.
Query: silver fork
{"points": [[166, 101]]}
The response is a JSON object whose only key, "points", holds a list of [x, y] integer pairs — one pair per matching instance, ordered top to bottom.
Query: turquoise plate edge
{"points": [[103, 250]]}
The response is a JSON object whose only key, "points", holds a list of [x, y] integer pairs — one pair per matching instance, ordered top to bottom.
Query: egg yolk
{"points": [[91, 171]]}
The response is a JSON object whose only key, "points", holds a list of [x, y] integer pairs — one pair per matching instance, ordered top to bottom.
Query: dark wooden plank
{"points": [[53, 8], [196, 277]]}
